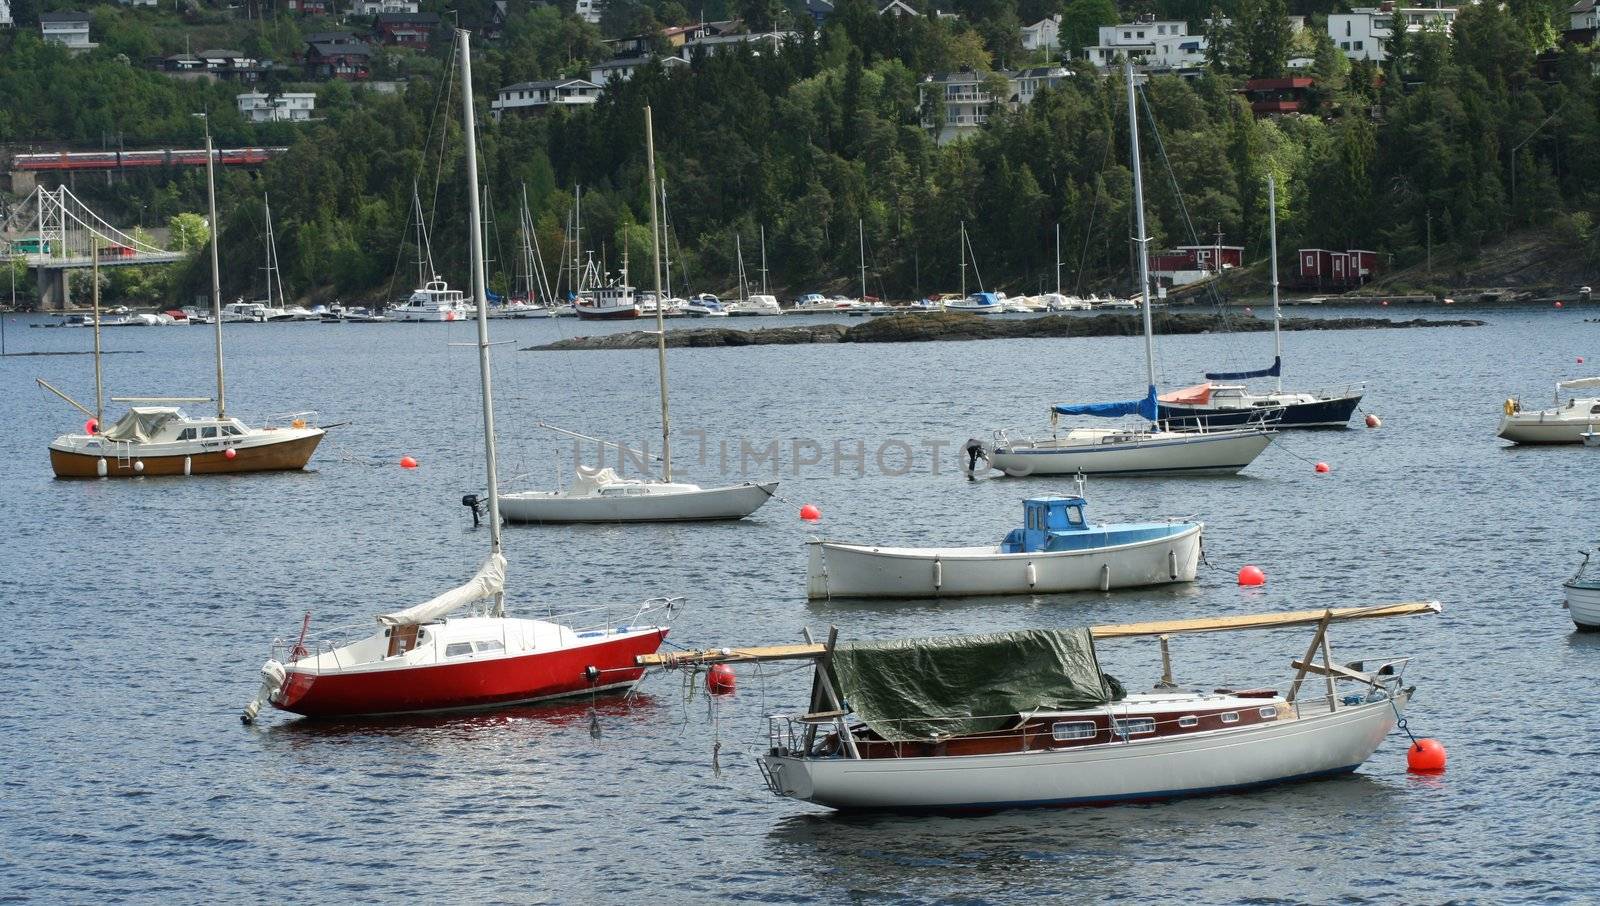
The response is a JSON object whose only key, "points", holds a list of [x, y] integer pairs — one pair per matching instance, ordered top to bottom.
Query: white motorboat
{"points": [[435, 301], [813, 302], [1058, 302], [757, 304], [976, 304], [1118, 304], [704, 305], [1014, 306], [242, 312], [1563, 423], [1147, 449], [600, 495], [1055, 551], [1583, 597], [422, 658], [1018, 719]]}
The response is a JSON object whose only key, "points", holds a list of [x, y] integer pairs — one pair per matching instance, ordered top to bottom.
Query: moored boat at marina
{"points": [[434, 301], [1562, 423], [1056, 550], [422, 659], [1015, 719]]}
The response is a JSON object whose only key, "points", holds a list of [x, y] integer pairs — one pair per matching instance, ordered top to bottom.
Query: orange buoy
{"points": [[1384, 303], [1558, 304], [1373, 421], [229, 453], [407, 462], [1323, 468], [810, 513], [1251, 576], [720, 680], [1426, 756]]}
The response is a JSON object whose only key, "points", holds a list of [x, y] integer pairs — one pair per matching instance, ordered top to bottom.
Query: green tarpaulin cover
{"points": [[915, 689]]}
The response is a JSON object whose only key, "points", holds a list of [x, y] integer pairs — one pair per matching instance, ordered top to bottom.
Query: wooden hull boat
{"points": [[161, 441]]}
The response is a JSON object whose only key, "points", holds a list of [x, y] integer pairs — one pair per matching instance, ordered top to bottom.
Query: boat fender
{"points": [[100, 467], [188, 467], [1172, 564], [938, 574], [1033, 575], [1105, 577], [272, 679]]}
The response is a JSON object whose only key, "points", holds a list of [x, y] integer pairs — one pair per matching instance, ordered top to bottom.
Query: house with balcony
{"points": [[308, 7], [381, 7], [69, 29], [405, 29], [1364, 32], [1044, 34], [763, 42], [1153, 46], [337, 55], [624, 68], [540, 97], [1277, 97], [965, 102], [288, 107]]}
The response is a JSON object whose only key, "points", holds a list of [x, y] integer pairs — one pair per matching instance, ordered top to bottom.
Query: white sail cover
{"points": [[1579, 383], [590, 480], [490, 581]]}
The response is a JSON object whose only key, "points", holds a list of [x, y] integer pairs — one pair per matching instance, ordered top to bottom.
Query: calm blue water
{"points": [[141, 610]]}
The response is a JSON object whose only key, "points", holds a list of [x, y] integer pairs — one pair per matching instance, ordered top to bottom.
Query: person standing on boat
{"points": [[974, 448]]}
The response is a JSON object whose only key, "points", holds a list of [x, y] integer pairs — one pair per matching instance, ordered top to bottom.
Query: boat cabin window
{"points": [[1264, 404], [1594, 409], [231, 431], [209, 432], [186, 434], [1075, 516], [491, 645], [457, 649], [1269, 712], [1230, 717], [1188, 720], [1136, 726], [1065, 730]]}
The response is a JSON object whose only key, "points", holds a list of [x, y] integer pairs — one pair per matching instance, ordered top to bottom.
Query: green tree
{"points": [[1081, 21], [187, 232]]}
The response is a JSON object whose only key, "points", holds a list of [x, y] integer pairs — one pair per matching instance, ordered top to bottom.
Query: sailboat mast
{"points": [[416, 202], [1138, 207], [268, 208], [666, 242], [861, 245], [738, 254], [763, 259], [963, 259], [1058, 259], [216, 273], [480, 298], [1277, 312], [661, 324], [99, 387]]}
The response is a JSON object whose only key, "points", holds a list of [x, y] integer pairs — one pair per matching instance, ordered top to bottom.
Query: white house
{"points": [[137, 2], [379, 7], [589, 10], [5, 12], [1583, 15], [69, 29], [1364, 33], [1044, 34], [712, 44], [1150, 44], [623, 68], [537, 97], [967, 102], [288, 107]]}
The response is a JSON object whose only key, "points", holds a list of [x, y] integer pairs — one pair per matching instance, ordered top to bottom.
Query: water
{"points": [[141, 610]]}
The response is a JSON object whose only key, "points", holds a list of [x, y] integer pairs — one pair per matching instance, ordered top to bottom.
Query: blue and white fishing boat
{"points": [[977, 304], [1222, 405], [1145, 449], [1055, 550]]}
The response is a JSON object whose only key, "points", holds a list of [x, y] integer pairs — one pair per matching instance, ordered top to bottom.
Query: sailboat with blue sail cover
{"points": [[1220, 405], [1143, 449]]}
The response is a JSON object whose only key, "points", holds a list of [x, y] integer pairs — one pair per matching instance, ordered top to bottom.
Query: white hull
{"points": [[1551, 426], [1090, 452], [690, 504], [853, 570], [1584, 604], [1316, 744]]}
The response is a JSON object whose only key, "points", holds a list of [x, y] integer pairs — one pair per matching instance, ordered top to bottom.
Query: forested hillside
{"points": [[805, 140]]}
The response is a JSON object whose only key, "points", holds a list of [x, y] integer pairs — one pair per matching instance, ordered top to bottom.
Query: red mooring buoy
{"points": [[1373, 421], [407, 462], [1323, 468], [810, 513], [1251, 576], [720, 680], [1426, 756]]}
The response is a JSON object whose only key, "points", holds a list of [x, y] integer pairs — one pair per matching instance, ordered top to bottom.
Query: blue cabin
{"points": [[984, 299], [1058, 524]]}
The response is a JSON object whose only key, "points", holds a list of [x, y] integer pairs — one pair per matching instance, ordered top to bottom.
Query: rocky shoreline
{"points": [[921, 328]]}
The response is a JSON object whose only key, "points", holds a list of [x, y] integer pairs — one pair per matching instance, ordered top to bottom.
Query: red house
{"points": [[308, 7], [405, 29], [348, 61], [1275, 97], [1189, 263], [1327, 269]]}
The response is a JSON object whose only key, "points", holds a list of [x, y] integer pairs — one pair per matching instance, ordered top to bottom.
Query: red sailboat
{"points": [[423, 659]]}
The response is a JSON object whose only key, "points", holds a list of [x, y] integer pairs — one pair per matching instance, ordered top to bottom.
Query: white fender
{"points": [[100, 467]]}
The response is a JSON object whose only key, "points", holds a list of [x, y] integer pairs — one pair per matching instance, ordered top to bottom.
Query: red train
{"points": [[116, 160]]}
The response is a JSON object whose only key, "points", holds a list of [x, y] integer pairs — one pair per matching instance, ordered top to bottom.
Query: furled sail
{"points": [[1275, 371], [1579, 383], [1145, 407], [490, 581]]}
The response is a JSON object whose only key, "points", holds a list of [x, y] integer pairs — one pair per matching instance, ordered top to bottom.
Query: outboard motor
{"points": [[471, 502]]}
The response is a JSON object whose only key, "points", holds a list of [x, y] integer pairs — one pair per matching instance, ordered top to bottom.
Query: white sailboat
{"points": [[755, 304], [282, 311], [1566, 423], [1138, 450], [600, 495], [424, 659]]}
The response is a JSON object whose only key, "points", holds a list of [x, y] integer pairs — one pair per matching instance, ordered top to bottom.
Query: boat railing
{"points": [[300, 419], [608, 620]]}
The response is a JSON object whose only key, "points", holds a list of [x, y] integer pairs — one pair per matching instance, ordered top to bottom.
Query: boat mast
{"points": [[416, 202], [1138, 207], [268, 208], [861, 243], [666, 244], [738, 254], [763, 259], [963, 259], [1058, 260], [216, 273], [480, 298], [1277, 312], [661, 324], [99, 387]]}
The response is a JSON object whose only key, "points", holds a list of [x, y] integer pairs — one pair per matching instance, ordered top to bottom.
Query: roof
{"points": [[819, 6], [1582, 6], [64, 17], [408, 19], [332, 37], [341, 50], [220, 53], [548, 83]]}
